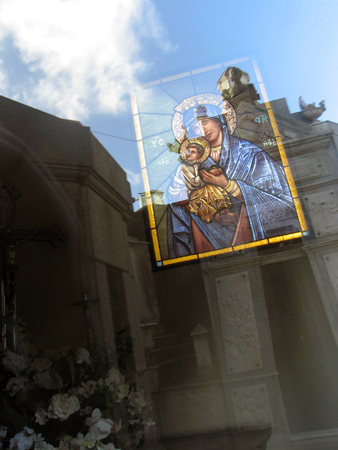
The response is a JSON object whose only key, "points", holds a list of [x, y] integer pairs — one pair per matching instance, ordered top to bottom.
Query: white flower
{"points": [[82, 356], [14, 362], [40, 364], [114, 376], [45, 381], [101, 382], [16, 385], [87, 388], [121, 391], [136, 400], [63, 406], [86, 411], [41, 416], [96, 416], [133, 421], [150, 423], [116, 427], [99, 428], [23, 440], [77, 440], [64, 441], [83, 442], [88, 442], [40, 444], [109, 446]]}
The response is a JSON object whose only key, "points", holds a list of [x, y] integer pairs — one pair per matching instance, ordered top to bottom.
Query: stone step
{"points": [[157, 330], [166, 340], [158, 356]]}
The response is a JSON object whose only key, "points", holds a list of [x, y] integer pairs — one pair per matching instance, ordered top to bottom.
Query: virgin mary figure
{"points": [[261, 201]]}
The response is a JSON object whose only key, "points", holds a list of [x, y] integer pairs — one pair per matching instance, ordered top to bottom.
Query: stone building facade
{"points": [[85, 287], [238, 352]]}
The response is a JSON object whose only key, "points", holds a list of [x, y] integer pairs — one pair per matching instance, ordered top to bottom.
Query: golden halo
{"points": [[202, 99], [202, 141]]}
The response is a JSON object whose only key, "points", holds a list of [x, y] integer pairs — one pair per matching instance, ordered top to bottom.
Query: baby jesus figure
{"points": [[205, 200]]}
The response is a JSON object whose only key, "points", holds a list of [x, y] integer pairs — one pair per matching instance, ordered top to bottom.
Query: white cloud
{"points": [[82, 55], [3, 78], [133, 178]]}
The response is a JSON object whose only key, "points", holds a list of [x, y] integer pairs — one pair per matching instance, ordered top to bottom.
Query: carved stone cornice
{"points": [[308, 144], [302, 146], [87, 175], [315, 185], [325, 243], [246, 261], [238, 379]]}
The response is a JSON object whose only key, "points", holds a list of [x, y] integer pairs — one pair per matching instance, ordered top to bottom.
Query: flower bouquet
{"points": [[67, 399]]}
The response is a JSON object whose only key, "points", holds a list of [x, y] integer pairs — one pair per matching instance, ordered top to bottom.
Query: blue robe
{"points": [[267, 199]]}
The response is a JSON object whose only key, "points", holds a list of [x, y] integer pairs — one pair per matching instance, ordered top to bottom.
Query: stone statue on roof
{"points": [[235, 87], [310, 111]]}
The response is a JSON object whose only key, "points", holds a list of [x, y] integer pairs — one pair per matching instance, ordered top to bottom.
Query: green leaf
{"points": [[71, 365], [52, 373], [13, 414]]}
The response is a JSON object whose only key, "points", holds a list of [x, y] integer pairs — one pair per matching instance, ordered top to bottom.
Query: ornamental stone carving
{"points": [[308, 168], [323, 210], [238, 324], [252, 407], [191, 411]]}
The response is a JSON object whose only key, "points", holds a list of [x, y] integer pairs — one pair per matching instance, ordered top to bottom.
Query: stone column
{"points": [[251, 390]]}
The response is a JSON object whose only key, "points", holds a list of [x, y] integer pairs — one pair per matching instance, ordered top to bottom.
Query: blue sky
{"points": [[79, 59]]}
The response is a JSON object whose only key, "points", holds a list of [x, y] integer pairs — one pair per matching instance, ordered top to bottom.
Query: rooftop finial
{"points": [[310, 111]]}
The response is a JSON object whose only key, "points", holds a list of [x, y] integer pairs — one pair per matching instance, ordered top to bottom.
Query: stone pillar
{"points": [[322, 210], [251, 389]]}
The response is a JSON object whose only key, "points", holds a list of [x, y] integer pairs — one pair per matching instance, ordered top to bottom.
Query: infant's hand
{"points": [[216, 171], [209, 177]]}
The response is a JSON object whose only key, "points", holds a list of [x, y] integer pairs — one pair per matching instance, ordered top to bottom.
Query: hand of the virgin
{"points": [[215, 176], [182, 202]]}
